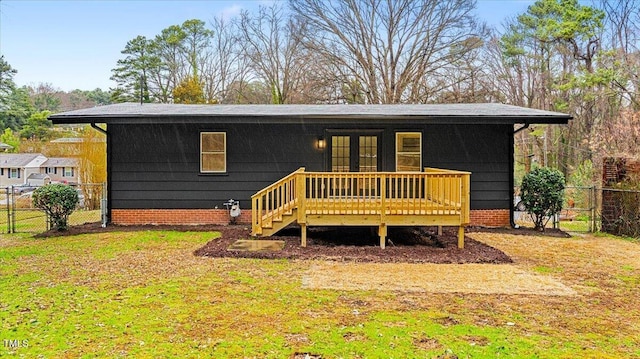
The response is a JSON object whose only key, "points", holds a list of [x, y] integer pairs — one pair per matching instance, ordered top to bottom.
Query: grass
{"points": [[143, 294]]}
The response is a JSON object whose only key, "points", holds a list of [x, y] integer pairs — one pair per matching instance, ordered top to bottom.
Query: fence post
{"points": [[592, 209], [13, 210], [8, 211]]}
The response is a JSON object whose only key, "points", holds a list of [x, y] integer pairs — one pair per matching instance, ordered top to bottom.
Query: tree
{"points": [[195, 43], [272, 44], [395, 49], [549, 60], [226, 65], [133, 73], [6, 82], [189, 91], [242, 92], [45, 97], [18, 108], [38, 126], [9, 138], [542, 193], [58, 201]]}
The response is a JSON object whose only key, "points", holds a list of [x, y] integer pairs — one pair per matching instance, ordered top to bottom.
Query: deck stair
{"points": [[434, 197]]}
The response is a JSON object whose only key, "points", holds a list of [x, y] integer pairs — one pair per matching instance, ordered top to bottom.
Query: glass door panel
{"points": [[368, 154]]}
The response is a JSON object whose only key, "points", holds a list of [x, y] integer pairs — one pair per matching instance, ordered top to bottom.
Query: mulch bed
{"points": [[405, 244]]}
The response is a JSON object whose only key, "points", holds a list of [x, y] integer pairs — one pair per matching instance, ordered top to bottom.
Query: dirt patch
{"points": [[432, 278]]}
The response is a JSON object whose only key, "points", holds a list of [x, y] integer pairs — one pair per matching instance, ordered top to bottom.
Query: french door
{"points": [[355, 152]]}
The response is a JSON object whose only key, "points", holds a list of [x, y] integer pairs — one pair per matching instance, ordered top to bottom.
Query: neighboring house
{"points": [[170, 163], [15, 168], [36, 169], [61, 169]]}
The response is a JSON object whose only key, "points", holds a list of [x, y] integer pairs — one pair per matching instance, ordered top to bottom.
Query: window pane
{"points": [[213, 142], [213, 162], [408, 162]]}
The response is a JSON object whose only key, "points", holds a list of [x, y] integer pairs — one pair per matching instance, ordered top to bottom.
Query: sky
{"points": [[75, 44]]}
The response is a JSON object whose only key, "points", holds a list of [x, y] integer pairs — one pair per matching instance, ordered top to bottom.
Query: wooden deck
{"points": [[434, 197]]}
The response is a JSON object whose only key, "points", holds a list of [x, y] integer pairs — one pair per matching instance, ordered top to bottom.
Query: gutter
{"points": [[512, 221]]}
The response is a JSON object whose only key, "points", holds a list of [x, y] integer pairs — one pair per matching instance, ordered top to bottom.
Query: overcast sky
{"points": [[75, 44]]}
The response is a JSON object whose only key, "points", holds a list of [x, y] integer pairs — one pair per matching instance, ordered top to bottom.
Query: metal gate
{"points": [[580, 209], [17, 213]]}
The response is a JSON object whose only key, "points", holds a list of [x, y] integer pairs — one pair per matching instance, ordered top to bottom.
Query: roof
{"points": [[430, 113], [67, 140], [76, 140], [17, 160], [60, 162], [38, 176]]}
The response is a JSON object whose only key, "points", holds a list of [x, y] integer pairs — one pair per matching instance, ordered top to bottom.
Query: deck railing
{"points": [[434, 192]]}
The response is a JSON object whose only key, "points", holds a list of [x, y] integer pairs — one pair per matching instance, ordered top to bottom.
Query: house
{"points": [[178, 164], [15, 168], [36, 169], [61, 169]]}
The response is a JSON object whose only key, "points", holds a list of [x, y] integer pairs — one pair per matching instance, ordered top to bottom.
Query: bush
{"points": [[542, 192], [58, 201]]}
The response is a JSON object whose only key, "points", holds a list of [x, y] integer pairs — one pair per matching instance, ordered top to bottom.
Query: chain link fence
{"points": [[593, 209], [17, 213]]}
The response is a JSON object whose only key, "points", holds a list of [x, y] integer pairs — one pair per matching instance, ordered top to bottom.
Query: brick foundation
{"points": [[176, 216], [485, 217], [490, 217]]}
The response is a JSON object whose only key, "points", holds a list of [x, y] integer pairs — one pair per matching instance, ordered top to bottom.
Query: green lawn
{"points": [[143, 294]]}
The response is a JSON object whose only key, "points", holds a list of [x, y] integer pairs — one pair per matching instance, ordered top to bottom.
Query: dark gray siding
{"points": [[481, 149], [157, 166]]}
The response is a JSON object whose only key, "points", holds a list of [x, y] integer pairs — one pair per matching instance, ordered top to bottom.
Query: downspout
{"points": [[93, 124], [104, 205], [512, 221]]}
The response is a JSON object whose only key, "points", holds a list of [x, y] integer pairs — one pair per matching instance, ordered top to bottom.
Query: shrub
{"points": [[542, 192], [58, 201]]}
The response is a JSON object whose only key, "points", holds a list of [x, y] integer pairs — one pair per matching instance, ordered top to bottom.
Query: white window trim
{"points": [[224, 134], [398, 153], [14, 173], [67, 174]]}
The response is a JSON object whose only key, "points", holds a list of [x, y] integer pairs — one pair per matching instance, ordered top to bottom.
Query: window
{"points": [[409, 151], [213, 152], [50, 170], [67, 172], [14, 173]]}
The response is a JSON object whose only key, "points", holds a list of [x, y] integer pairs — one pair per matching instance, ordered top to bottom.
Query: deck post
{"points": [[439, 230], [382, 232], [303, 234], [461, 237]]}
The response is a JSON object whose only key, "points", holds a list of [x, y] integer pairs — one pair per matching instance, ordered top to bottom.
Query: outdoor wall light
{"points": [[321, 143]]}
